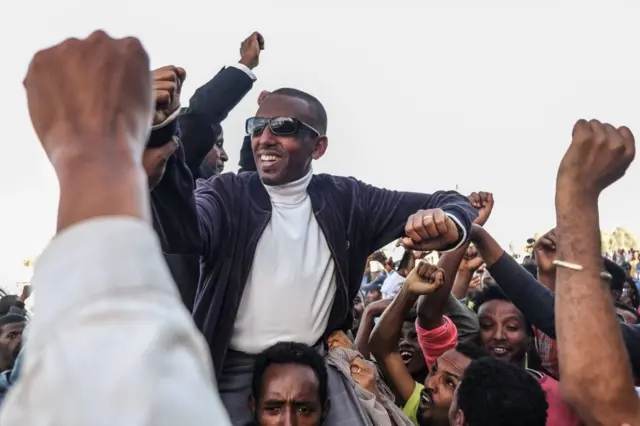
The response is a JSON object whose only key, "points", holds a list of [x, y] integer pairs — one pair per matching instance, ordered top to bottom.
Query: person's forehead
{"points": [[284, 106], [499, 307], [14, 326], [409, 326], [453, 362], [279, 376]]}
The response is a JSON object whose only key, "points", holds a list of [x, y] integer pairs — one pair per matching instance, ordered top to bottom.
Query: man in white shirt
{"points": [[283, 249], [111, 343]]}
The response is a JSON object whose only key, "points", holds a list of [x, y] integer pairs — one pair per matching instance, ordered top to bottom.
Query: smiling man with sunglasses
{"points": [[283, 249]]}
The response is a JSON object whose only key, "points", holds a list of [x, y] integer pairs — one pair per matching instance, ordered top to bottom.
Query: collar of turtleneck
{"points": [[290, 193]]}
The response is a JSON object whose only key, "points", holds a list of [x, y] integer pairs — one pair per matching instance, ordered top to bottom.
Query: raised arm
{"points": [[211, 103], [389, 215], [187, 225], [110, 317], [594, 366]]}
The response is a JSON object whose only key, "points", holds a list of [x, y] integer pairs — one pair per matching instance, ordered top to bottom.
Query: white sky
{"points": [[480, 94]]}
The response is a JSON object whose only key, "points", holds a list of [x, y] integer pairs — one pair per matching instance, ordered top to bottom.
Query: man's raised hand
{"points": [[250, 50], [167, 85], [91, 97], [599, 155], [483, 202], [430, 229], [545, 251], [424, 279]]}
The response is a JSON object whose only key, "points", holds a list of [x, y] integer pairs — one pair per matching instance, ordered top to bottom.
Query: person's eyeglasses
{"points": [[279, 126]]}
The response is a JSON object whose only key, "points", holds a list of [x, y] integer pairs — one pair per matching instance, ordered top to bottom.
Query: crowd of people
{"points": [[177, 294]]}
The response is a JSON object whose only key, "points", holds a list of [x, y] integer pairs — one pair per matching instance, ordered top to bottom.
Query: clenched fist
{"points": [[250, 50], [167, 84], [90, 97], [599, 155], [483, 202], [430, 230], [471, 260], [424, 279]]}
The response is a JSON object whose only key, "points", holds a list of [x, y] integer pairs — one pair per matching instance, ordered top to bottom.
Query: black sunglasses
{"points": [[279, 126]]}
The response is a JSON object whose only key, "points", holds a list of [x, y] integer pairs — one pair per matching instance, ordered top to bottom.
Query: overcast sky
{"points": [[479, 94]]}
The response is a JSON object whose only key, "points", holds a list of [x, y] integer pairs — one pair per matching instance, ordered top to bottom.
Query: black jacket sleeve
{"points": [[208, 107], [183, 231], [537, 304]]}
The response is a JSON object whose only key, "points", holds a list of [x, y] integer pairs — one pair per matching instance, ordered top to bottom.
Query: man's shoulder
{"points": [[231, 183], [340, 183]]}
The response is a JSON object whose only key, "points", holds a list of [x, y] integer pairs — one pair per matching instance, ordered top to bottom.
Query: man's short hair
{"points": [[316, 109], [471, 350], [290, 353], [496, 393]]}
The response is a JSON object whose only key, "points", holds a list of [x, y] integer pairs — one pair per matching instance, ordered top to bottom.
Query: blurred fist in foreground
{"points": [[91, 97], [599, 155], [424, 279]]}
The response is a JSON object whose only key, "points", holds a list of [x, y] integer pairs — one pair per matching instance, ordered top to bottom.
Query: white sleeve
{"points": [[462, 238], [111, 343]]}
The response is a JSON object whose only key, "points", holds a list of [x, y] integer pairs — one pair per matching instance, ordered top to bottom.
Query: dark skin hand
{"points": [[250, 50], [167, 86], [94, 137], [598, 156], [483, 202], [430, 229], [545, 250], [471, 261], [371, 312]]}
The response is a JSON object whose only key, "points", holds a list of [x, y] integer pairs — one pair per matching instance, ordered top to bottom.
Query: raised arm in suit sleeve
{"points": [[209, 106], [386, 212], [176, 218]]}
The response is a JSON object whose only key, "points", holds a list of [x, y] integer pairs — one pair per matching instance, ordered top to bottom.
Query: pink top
{"points": [[437, 341], [558, 413]]}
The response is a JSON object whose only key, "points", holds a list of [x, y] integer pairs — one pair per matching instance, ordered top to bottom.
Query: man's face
{"points": [[217, 156], [284, 159], [374, 295], [358, 307], [503, 330], [10, 340], [410, 350], [440, 385], [289, 396]]}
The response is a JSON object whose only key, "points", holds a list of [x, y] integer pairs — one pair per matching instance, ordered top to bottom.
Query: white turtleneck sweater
{"points": [[291, 285]]}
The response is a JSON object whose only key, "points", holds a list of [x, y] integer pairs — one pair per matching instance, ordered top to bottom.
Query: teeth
{"points": [[268, 158], [500, 351], [405, 355], [426, 399]]}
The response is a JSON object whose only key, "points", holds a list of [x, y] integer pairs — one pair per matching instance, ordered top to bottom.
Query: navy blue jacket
{"points": [[200, 124], [222, 220]]}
